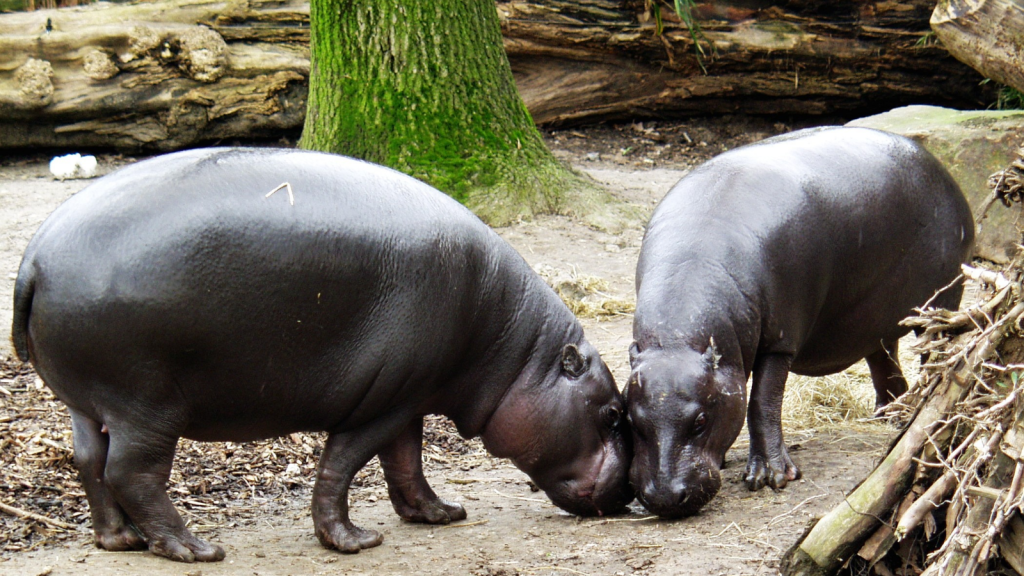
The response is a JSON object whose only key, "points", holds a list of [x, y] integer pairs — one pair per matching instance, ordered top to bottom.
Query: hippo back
{"points": [[817, 235], [267, 314]]}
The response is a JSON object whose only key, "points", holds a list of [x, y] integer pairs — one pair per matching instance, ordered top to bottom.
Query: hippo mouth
{"points": [[607, 491], [672, 499], [689, 505]]}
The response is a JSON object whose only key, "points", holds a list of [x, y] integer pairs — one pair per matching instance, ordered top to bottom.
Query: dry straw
{"points": [[585, 295]]}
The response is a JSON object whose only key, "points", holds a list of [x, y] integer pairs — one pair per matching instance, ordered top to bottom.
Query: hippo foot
{"points": [[774, 473], [436, 511], [120, 539], [348, 539], [187, 549]]}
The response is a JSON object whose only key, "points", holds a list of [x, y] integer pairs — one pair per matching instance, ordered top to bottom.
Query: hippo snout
{"points": [[605, 492], [678, 495]]}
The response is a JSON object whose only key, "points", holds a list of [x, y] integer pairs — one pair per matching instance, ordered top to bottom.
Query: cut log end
{"points": [[797, 562]]}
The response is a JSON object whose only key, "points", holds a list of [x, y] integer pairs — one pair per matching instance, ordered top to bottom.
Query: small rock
{"points": [[592, 156], [73, 166], [612, 248], [12, 276], [639, 563]]}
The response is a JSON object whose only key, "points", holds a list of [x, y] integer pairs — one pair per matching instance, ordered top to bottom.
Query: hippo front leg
{"points": [[345, 453], [769, 463], [411, 495], [111, 527]]}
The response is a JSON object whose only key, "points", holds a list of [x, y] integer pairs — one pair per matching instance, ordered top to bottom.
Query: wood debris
{"points": [[213, 484]]}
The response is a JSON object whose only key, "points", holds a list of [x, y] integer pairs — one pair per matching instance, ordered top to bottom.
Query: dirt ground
{"points": [[510, 530]]}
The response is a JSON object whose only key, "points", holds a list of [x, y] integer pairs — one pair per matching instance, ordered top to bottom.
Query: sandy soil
{"points": [[510, 530]]}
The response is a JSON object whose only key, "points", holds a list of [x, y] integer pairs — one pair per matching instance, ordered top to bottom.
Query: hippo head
{"points": [[686, 408], [566, 428]]}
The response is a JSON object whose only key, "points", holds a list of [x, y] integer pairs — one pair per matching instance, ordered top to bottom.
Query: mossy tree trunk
{"points": [[426, 88]]}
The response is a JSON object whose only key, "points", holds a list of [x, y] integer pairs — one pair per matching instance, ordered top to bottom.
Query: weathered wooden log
{"points": [[987, 35], [591, 59], [171, 73], [158, 75]]}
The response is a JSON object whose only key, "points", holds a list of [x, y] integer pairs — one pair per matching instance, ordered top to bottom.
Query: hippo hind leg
{"points": [[886, 374], [344, 454], [769, 463], [138, 466], [411, 495], [111, 527]]}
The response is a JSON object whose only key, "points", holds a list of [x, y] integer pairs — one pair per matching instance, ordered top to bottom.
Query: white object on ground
{"points": [[73, 166]]}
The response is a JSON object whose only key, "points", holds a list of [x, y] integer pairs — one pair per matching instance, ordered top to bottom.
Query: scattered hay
{"points": [[585, 295], [839, 400], [843, 400]]}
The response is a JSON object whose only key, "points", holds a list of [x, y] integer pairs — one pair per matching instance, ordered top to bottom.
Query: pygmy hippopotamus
{"points": [[800, 253], [176, 298]]}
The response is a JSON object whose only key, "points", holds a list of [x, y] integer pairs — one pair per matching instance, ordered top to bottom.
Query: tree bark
{"points": [[987, 35], [151, 76], [426, 88]]}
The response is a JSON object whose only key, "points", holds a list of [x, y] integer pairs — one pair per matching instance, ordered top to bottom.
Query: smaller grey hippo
{"points": [[800, 253], [175, 298]]}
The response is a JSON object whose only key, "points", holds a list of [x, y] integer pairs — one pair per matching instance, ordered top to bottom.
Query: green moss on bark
{"points": [[426, 88]]}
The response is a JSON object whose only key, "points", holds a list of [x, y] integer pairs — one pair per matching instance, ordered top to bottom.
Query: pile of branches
{"points": [[948, 497]]}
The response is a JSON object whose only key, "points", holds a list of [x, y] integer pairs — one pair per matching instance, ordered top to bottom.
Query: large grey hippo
{"points": [[800, 253], [174, 298]]}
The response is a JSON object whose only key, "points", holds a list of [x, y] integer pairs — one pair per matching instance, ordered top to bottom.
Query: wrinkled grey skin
{"points": [[800, 253], [173, 299]]}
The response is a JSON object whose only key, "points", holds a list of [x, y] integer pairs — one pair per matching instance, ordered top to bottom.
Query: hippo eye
{"points": [[612, 417], [699, 423]]}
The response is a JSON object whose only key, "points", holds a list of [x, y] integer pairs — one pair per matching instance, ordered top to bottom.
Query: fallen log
{"points": [[987, 35], [600, 59], [171, 73], [160, 75]]}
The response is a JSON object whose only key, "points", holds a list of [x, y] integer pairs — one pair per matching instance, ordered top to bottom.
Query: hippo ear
{"points": [[634, 351], [711, 355], [573, 362], [634, 386]]}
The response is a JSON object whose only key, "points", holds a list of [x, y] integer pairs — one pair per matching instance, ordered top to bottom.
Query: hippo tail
{"points": [[24, 290]]}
